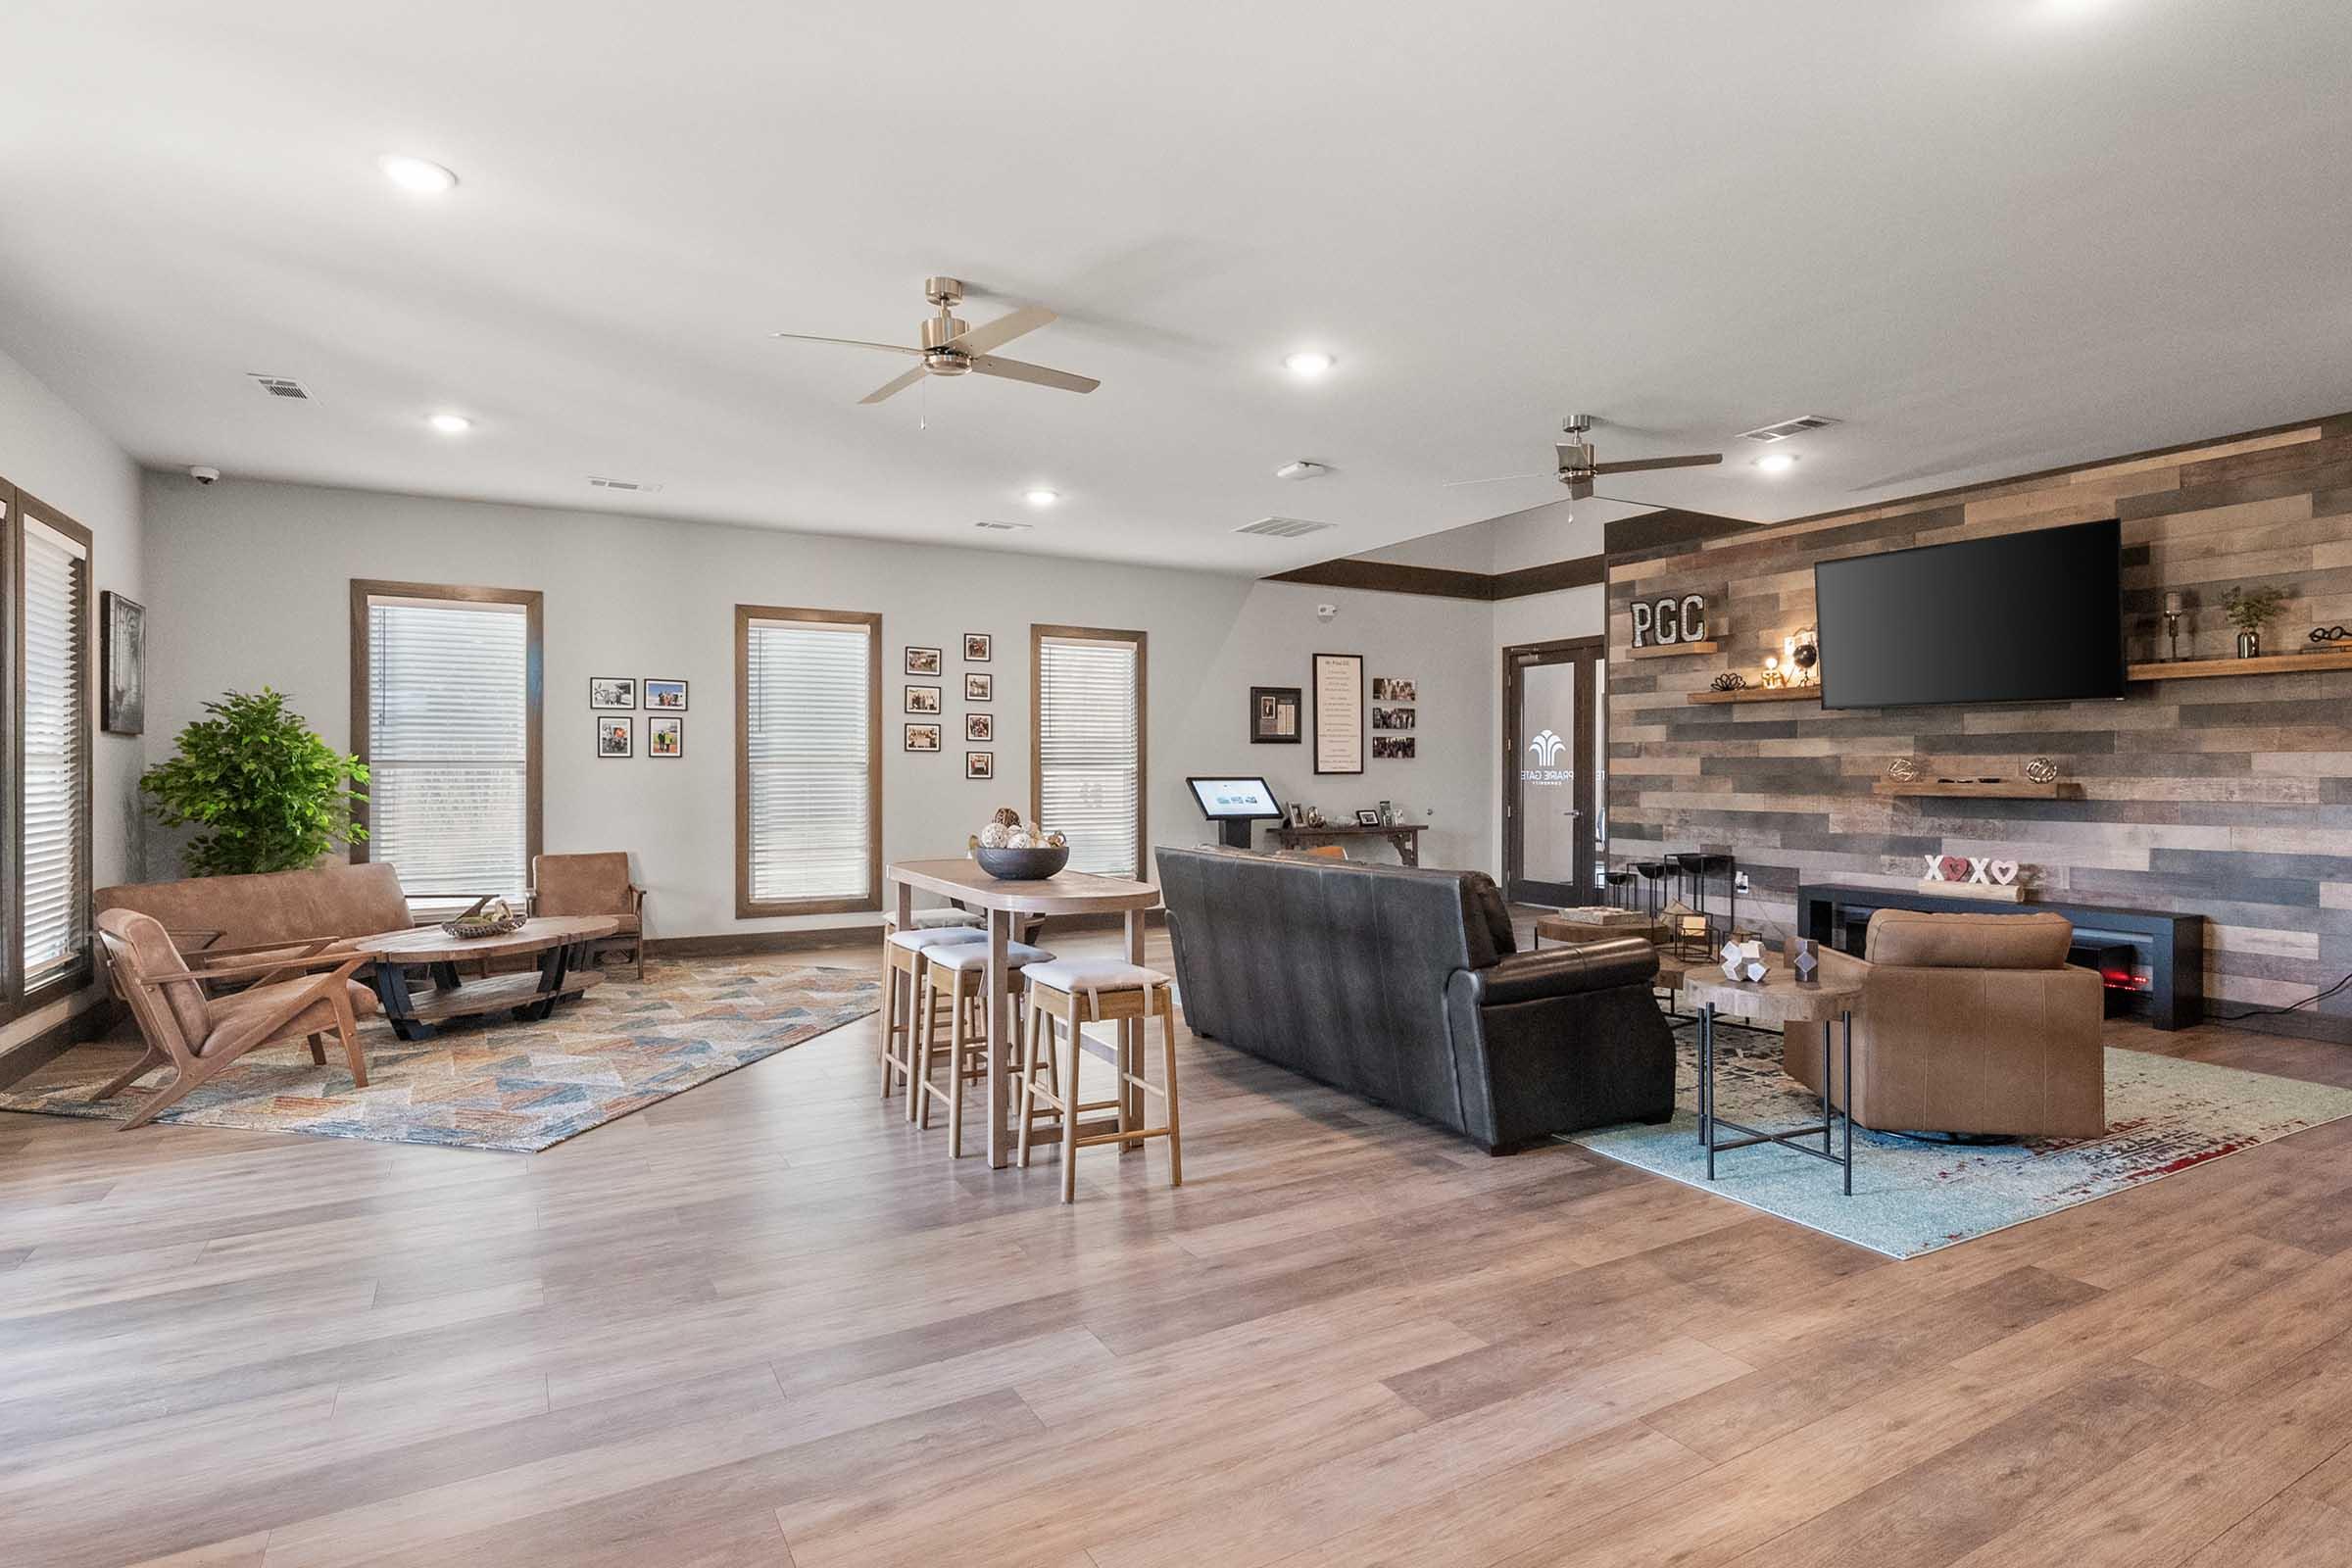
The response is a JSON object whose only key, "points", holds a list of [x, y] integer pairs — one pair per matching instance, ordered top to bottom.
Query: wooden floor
{"points": [[767, 1322]]}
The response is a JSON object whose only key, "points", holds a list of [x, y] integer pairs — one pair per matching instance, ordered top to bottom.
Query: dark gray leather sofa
{"points": [[1404, 987]]}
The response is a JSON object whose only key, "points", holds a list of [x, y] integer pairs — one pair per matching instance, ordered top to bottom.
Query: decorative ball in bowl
{"points": [[1021, 865]]}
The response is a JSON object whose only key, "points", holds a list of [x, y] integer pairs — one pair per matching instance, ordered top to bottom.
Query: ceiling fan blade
{"points": [[1003, 329], [849, 342], [1035, 374], [895, 385], [1701, 460], [1500, 478], [1580, 489]]}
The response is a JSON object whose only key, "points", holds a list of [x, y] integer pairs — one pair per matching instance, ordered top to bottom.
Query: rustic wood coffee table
{"points": [[561, 943], [1779, 999]]}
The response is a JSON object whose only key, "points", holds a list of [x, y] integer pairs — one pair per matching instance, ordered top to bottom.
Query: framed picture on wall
{"points": [[977, 646], [924, 661], [122, 664], [979, 688], [613, 694], [666, 695], [922, 698], [1339, 713], [1274, 715], [1391, 719], [980, 727], [616, 737], [664, 737], [923, 737], [1393, 747], [979, 764]]}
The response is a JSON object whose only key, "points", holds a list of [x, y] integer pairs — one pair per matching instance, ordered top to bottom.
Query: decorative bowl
{"points": [[1021, 865], [476, 926]]}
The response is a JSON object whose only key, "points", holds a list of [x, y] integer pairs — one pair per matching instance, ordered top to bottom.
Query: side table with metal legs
{"points": [[1788, 1138]]}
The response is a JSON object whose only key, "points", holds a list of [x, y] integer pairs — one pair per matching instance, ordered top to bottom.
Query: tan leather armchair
{"points": [[593, 883], [1970, 1023]]}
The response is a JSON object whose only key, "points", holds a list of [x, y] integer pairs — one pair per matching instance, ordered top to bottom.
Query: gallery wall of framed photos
{"points": [[615, 701]]}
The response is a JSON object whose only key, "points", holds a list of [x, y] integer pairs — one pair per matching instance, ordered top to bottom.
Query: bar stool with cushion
{"points": [[963, 965], [903, 967], [1079, 992]]}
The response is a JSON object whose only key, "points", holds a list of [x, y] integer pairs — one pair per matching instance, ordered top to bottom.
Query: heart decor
{"points": [[1956, 869], [2003, 873]]}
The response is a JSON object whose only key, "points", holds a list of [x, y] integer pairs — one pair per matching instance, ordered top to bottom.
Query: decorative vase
{"points": [[2249, 644]]}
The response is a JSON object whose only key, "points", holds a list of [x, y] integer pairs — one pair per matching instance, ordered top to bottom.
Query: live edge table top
{"points": [[1065, 893], [429, 944]]}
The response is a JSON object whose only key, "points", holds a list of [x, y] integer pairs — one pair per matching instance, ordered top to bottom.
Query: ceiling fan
{"points": [[951, 348], [1577, 467]]}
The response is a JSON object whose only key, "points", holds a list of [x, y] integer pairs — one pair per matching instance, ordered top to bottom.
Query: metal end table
{"points": [[1831, 1001]]}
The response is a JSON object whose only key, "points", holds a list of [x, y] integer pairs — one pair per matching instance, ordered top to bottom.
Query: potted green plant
{"points": [[2249, 610], [266, 793]]}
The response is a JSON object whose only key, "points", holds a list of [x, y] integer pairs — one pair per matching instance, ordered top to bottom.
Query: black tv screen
{"points": [[2025, 618]]}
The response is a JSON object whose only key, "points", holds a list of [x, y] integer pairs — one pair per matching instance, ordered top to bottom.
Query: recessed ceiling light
{"points": [[422, 175], [1307, 361], [450, 424], [1776, 461], [1042, 497]]}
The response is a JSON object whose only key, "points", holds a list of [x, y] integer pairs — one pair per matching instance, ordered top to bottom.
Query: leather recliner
{"points": [[1405, 986]]}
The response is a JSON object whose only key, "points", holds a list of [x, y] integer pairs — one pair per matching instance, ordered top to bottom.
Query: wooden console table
{"points": [[1405, 836]]}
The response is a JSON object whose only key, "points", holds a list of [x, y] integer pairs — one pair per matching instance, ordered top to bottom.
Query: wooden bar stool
{"points": [[963, 965], [903, 966], [1080, 992]]}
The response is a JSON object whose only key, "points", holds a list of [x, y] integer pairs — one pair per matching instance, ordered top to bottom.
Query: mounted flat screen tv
{"points": [[2024, 617]]}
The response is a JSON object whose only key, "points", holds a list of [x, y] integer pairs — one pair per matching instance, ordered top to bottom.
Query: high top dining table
{"points": [[1000, 902]]}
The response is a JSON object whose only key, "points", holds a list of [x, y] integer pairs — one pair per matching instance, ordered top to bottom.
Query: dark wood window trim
{"points": [[1037, 634], [534, 683], [746, 906], [14, 1001]]}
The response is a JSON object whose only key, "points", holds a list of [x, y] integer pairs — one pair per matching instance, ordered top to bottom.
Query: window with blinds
{"points": [[809, 715], [53, 721], [1090, 744], [449, 745]]}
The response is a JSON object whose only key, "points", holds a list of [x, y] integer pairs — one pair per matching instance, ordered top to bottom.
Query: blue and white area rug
{"points": [[2163, 1115]]}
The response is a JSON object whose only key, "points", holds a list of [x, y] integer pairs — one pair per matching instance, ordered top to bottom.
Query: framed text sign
{"points": [[1339, 713]]}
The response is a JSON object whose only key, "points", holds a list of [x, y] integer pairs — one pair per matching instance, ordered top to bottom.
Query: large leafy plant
{"points": [[266, 793]]}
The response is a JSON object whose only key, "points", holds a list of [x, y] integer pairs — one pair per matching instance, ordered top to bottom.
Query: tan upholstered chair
{"points": [[593, 883], [1971, 1023], [201, 1035]]}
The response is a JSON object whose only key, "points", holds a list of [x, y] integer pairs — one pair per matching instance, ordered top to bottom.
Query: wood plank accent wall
{"points": [[2229, 796]]}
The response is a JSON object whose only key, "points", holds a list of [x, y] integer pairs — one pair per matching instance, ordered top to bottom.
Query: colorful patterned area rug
{"points": [[500, 1084], [1911, 1196]]}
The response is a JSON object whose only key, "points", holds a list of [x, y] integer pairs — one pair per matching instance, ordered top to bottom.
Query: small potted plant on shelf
{"points": [[2249, 610]]}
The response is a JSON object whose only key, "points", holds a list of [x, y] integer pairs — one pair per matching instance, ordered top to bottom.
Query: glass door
{"points": [[1553, 799]]}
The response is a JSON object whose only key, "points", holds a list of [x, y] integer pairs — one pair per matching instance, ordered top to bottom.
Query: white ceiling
{"points": [[1992, 235]]}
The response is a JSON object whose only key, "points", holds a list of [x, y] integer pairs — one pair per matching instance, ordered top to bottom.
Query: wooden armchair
{"points": [[593, 883], [202, 1035]]}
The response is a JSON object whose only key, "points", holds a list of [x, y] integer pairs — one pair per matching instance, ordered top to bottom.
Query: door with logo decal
{"points": [[1555, 795]]}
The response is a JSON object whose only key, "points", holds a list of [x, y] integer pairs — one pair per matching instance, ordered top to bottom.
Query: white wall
{"points": [[50, 449], [250, 586]]}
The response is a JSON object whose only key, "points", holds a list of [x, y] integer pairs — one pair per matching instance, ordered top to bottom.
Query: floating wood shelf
{"points": [[1671, 650], [2267, 664], [1758, 694], [2007, 789]]}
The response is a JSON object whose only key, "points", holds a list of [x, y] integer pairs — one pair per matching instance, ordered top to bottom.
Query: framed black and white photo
{"points": [[977, 646], [924, 662], [122, 664], [979, 688], [1392, 688], [613, 694], [665, 696], [922, 698], [1339, 713], [1274, 715], [1391, 719], [980, 727], [616, 737], [664, 737], [923, 737], [1393, 747], [979, 764], [1366, 818]]}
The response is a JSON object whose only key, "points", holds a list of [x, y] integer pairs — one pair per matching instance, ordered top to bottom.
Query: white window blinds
{"points": [[809, 729], [449, 746], [56, 752], [1088, 779]]}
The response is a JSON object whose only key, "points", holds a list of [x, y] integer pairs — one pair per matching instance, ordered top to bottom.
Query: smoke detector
{"points": [[1788, 427], [1302, 469], [1284, 527]]}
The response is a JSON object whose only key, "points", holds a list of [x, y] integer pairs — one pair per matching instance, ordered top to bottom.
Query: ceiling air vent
{"points": [[282, 387], [1787, 427], [636, 486], [1284, 527], [1003, 528]]}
